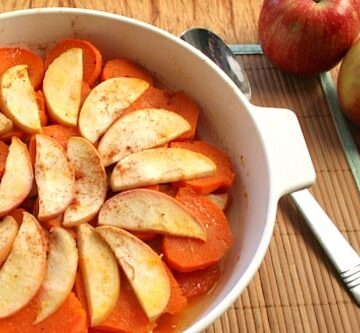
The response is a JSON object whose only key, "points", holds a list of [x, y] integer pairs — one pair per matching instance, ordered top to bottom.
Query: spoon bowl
{"points": [[215, 48]]}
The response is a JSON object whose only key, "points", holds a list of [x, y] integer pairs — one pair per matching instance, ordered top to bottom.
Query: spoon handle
{"points": [[344, 258]]}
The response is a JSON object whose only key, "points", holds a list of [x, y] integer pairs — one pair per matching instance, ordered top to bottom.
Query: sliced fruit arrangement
{"points": [[13, 56], [91, 59], [62, 86], [18, 99], [177, 102], [105, 103], [6, 124], [139, 130], [4, 151], [158, 166], [54, 177], [223, 177], [17, 180], [90, 182], [219, 199], [111, 209], [148, 210], [8, 232], [186, 254], [62, 262], [143, 268], [24, 269], [101, 274], [127, 316]]}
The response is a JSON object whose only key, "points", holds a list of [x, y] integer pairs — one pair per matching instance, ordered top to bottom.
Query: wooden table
{"points": [[234, 20], [267, 304]]}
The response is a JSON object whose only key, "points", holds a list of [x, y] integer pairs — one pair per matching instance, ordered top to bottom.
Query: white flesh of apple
{"points": [[62, 86], [18, 100], [106, 102], [6, 124], [139, 130], [160, 165], [54, 177], [17, 180], [90, 182], [219, 199], [148, 210], [8, 232], [143, 268], [24, 269], [100, 273], [60, 275]]}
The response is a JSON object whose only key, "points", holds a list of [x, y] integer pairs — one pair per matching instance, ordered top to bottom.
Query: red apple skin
{"points": [[356, 4], [309, 36], [348, 84]]}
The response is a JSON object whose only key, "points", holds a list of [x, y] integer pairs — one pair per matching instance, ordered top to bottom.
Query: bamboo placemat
{"points": [[296, 289]]}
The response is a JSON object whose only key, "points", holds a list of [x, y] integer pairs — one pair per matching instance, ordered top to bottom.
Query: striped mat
{"points": [[296, 289]]}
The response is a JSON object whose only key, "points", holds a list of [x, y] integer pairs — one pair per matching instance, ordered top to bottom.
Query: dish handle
{"points": [[289, 158]]}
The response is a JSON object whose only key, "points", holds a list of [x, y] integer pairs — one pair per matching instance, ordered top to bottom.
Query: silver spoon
{"points": [[214, 48], [338, 249]]}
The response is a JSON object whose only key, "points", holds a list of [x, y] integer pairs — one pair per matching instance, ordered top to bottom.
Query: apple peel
{"points": [[62, 86], [18, 100], [106, 102], [6, 124], [139, 130], [158, 166], [54, 177], [17, 180], [90, 182], [219, 199], [150, 211], [8, 231], [142, 266], [24, 269], [100, 273], [60, 274]]}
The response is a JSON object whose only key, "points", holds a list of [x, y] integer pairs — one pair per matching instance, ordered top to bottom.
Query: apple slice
{"points": [[62, 86], [18, 100], [106, 102], [6, 124], [139, 130], [160, 165], [54, 177], [17, 180], [90, 182], [219, 199], [148, 210], [8, 231], [143, 268], [24, 269], [100, 272], [60, 274]]}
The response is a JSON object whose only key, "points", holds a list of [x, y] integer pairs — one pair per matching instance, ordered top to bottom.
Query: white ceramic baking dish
{"points": [[266, 145]]}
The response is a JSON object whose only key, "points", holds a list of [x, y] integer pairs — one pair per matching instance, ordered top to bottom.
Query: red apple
{"points": [[308, 36], [348, 84]]}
